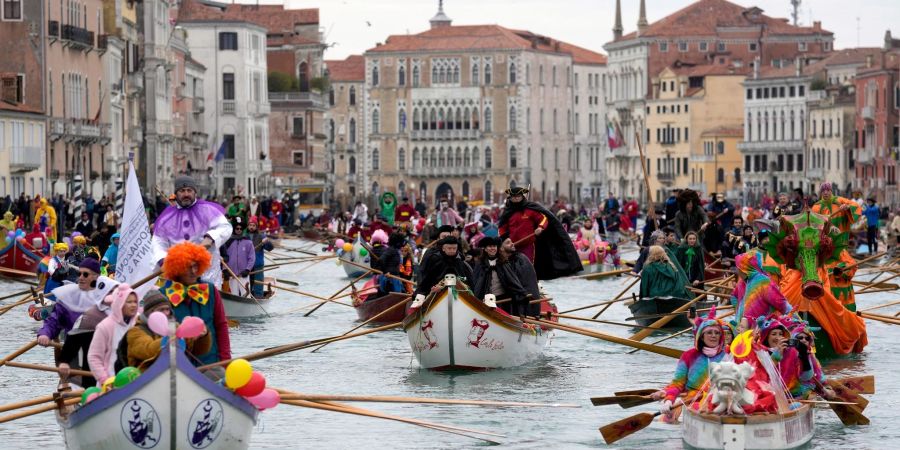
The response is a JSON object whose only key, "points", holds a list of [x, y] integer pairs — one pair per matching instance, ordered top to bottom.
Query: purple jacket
{"points": [[239, 254], [61, 318]]}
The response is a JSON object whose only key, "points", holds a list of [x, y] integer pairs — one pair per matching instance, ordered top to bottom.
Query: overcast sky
{"points": [[354, 26]]}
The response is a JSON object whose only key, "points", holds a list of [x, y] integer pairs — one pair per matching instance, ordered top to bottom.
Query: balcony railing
{"points": [[78, 37], [102, 42], [135, 82], [308, 98], [228, 107], [258, 109], [867, 113], [57, 127], [160, 127], [442, 135], [198, 139], [771, 146], [621, 152], [865, 155], [703, 158], [25, 159], [260, 166], [229, 167], [420, 171], [665, 177]]}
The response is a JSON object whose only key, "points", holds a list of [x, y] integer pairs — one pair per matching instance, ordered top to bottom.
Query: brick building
{"points": [[343, 129]]}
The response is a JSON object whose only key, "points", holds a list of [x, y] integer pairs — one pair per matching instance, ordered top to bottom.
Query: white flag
{"points": [[135, 260]]}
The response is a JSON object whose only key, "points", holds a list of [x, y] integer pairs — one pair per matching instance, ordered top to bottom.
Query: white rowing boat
{"points": [[355, 256], [238, 306], [455, 330], [171, 405], [789, 430]]}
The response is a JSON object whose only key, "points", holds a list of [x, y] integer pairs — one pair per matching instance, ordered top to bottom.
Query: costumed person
{"points": [[388, 204], [783, 207], [237, 208], [723, 209], [277, 210], [405, 212], [361, 213], [842, 213], [45, 215], [446, 215], [690, 216], [192, 220], [9, 221], [473, 233], [538, 235], [658, 238], [587, 240], [37, 241], [378, 243], [732, 243], [261, 244], [79, 251], [240, 256], [111, 257], [690, 257], [444, 261], [390, 263], [57, 267], [525, 273], [495, 275], [661, 277], [756, 295], [191, 296], [78, 309], [109, 332], [141, 346], [794, 368], [692, 369], [812, 378]]}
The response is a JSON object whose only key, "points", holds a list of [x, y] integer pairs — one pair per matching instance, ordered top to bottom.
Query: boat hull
{"points": [[15, 256], [355, 256], [237, 306], [371, 308], [647, 310], [454, 330], [140, 415], [755, 432]]}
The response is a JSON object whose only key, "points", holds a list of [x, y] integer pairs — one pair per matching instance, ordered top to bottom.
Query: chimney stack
{"points": [[817, 25], [617, 28]]}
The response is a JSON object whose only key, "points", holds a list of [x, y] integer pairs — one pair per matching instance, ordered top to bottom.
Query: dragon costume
{"points": [[842, 213]]}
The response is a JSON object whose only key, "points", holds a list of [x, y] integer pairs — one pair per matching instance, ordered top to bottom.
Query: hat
{"points": [[185, 181], [516, 191], [253, 220], [237, 221], [445, 229], [764, 233], [115, 236], [379, 237], [448, 240], [488, 241], [90, 264], [152, 299], [769, 323], [701, 324]]}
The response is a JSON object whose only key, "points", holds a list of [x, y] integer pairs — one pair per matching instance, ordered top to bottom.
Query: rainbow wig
{"points": [[180, 257]]}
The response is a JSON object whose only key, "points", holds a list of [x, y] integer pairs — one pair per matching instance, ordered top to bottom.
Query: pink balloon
{"points": [[339, 243], [159, 323], [190, 328], [91, 397], [269, 398]]}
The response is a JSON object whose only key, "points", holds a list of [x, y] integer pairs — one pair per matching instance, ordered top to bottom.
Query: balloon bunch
{"points": [[14, 236], [343, 246], [125, 376], [240, 377]]}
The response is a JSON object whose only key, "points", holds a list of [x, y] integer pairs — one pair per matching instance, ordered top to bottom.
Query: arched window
{"points": [[512, 73], [456, 74], [487, 74], [374, 75], [303, 76], [401, 76], [475, 79], [415, 80], [352, 95], [331, 96], [467, 115], [512, 118], [459, 119], [487, 119], [401, 120], [376, 121], [475, 122], [432, 124], [416, 125], [766, 125], [749, 127], [331, 131], [352, 131], [720, 147], [459, 156], [433, 157], [512, 157], [442, 158], [467, 158], [487, 158], [375, 159], [401, 159], [476, 159], [415, 162], [351, 165], [737, 177], [375, 188], [401, 188], [465, 189], [423, 191], [488, 192]]}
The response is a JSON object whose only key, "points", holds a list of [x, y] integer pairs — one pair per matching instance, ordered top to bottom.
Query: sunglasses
{"points": [[84, 274], [803, 338]]}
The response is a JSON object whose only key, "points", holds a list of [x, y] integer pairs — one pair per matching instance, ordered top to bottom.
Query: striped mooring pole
{"points": [[120, 196], [76, 197]]}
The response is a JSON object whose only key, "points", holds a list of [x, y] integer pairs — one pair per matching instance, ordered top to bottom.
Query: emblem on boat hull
{"points": [[140, 423], [206, 423]]}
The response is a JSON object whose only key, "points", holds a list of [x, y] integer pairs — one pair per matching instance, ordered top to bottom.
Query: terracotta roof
{"points": [[703, 17], [274, 18], [484, 37], [836, 58], [351, 69], [709, 69], [18, 107], [724, 131]]}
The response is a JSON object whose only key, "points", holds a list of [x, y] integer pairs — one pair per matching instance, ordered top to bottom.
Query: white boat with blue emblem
{"points": [[170, 406]]}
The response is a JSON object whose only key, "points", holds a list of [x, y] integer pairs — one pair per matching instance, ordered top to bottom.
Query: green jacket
{"points": [[660, 279]]}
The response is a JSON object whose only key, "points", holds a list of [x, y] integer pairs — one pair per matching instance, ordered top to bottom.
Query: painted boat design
{"points": [[16, 256], [789, 430]]}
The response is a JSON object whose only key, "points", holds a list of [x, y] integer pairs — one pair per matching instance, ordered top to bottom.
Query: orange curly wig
{"points": [[180, 257]]}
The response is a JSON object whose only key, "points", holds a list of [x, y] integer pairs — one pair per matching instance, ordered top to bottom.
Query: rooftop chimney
{"points": [[440, 19], [817, 25], [617, 29]]}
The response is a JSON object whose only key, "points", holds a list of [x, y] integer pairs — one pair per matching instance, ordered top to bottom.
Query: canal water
{"points": [[573, 369]]}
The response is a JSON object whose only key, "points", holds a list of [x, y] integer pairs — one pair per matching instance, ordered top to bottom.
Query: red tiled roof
{"points": [[703, 17], [274, 18], [483, 37], [351, 69], [18, 107]]}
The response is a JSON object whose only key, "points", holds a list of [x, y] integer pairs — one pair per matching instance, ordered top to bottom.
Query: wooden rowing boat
{"points": [[311, 234], [355, 256], [18, 258], [237, 306], [368, 306], [649, 310], [453, 330], [171, 405], [789, 430]]}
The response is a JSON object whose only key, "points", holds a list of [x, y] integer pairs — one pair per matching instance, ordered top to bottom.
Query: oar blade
{"points": [[636, 392], [615, 400], [636, 402], [620, 429]]}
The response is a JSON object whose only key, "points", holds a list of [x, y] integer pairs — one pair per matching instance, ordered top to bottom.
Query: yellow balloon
{"points": [[347, 246], [238, 373], [107, 384]]}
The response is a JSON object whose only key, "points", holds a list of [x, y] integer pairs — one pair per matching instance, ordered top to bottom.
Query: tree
{"points": [[282, 82]]}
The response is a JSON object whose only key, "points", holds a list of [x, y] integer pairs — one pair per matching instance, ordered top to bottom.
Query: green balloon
{"points": [[363, 252], [125, 376], [87, 392]]}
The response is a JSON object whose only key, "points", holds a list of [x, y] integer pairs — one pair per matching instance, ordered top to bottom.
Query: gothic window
{"points": [[512, 73], [456, 74], [487, 74], [374, 75], [401, 76], [415, 76], [475, 80], [352, 95], [331, 96], [512, 118], [487, 119], [401, 120], [375, 121], [475, 123], [416, 124], [352, 131], [459, 157], [512, 157], [467, 158], [487, 158], [375, 159], [401, 159], [415, 162], [351, 165], [488, 192]]}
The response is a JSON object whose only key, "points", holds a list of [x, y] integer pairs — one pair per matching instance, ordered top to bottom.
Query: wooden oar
{"points": [[863, 261], [18, 272], [378, 272], [591, 276], [350, 284], [879, 285], [867, 288], [16, 294], [249, 294], [714, 294], [621, 296], [28, 298], [880, 306], [656, 316], [880, 318], [370, 320], [607, 322], [641, 335], [18, 352], [630, 352], [670, 352], [83, 373], [863, 384], [646, 391], [290, 395], [621, 399], [39, 400], [825, 402], [336, 407], [42, 409], [849, 415], [625, 427]]}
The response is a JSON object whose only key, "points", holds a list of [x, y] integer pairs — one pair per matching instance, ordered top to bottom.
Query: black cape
{"points": [[554, 254]]}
